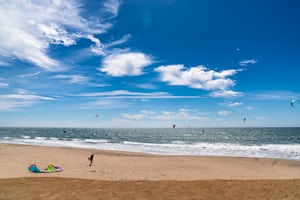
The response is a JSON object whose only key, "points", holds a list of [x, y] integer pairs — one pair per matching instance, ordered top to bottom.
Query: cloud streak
{"points": [[112, 6], [247, 62], [77, 78], [4, 85], [225, 93], [134, 95], [274, 95], [20, 99], [223, 113], [181, 114]]}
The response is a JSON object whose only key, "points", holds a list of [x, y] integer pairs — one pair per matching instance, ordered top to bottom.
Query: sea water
{"points": [[281, 143]]}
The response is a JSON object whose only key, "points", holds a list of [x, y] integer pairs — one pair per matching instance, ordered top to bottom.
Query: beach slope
{"points": [[126, 175]]}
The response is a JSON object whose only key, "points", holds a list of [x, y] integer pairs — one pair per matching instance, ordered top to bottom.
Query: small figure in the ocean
{"points": [[91, 159]]}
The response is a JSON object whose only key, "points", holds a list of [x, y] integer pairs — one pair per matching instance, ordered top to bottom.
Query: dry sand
{"points": [[124, 175]]}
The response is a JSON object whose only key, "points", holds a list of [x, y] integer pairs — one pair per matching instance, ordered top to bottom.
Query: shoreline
{"points": [[131, 152]]}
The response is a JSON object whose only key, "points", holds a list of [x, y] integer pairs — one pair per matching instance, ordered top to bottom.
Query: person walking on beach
{"points": [[91, 158]]}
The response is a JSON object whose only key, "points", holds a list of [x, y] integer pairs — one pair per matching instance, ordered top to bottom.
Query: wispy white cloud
{"points": [[112, 6], [28, 28], [56, 34], [124, 39], [98, 47], [247, 62], [2, 63], [125, 64], [29, 75], [76, 78], [200, 78], [99, 84], [4, 85], [145, 86], [120, 93], [225, 93], [24, 95], [137, 95], [274, 95], [143, 98], [20, 99], [115, 99], [104, 103], [232, 104], [235, 104], [6, 105], [249, 108], [148, 112], [223, 113], [181, 114], [132, 116], [261, 118]]}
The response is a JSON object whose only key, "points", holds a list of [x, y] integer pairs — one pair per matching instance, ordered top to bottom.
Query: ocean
{"points": [[283, 143]]}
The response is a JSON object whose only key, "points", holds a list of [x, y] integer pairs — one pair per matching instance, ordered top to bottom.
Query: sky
{"points": [[150, 63]]}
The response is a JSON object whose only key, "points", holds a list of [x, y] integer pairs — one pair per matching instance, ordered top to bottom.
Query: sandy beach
{"points": [[127, 175]]}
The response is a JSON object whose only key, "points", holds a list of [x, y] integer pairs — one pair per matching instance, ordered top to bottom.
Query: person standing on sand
{"points": [[91, 158]]}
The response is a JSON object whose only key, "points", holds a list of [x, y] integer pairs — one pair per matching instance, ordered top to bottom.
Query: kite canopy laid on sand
{"points": [[33, 168], [51, 168]]}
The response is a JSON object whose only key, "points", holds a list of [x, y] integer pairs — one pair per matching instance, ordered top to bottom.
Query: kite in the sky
{"points": [[293, 102], [97, 115], [244, 119]]}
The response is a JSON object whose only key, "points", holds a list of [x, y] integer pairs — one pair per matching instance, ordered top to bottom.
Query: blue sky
{"points": [[150, 63]]}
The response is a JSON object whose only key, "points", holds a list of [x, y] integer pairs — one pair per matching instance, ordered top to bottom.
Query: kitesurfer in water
{"points": [[91, 158]]}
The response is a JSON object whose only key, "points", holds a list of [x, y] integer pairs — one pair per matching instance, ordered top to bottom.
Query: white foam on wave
{"points": [[39, 138], [95, 141], [178, 142], [284, 151], [288, 151]]}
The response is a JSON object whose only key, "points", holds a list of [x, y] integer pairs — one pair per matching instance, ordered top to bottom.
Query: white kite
{"points": [[293, 102]]}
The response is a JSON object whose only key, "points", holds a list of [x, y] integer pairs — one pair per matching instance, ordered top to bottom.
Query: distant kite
{"points": [[293, 102], [96, 115], [244, 119]]}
